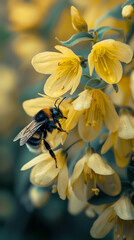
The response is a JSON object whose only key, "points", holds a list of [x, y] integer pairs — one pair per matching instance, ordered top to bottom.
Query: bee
{"points": [[46, 120]]}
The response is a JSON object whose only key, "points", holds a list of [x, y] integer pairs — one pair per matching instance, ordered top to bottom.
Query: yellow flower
{"points": [[128, 11], [27, 15], [78, 22], [26, 45], [106, 56], [65, 69], [124, 96], [8, 102], [33, 106], [91, 108], [122, 140], [91, 171], [45, 173], [38, 197], [75, 205], [120, 216]]}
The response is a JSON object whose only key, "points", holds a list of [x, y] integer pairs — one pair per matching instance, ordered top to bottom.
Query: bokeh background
{"points": [[28, 27]]}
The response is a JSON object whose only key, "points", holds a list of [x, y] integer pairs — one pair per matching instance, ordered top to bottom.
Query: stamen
{"points": [[54, 188]]}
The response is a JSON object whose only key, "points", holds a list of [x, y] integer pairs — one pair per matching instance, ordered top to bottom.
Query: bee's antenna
{"points": [[56, 102], [61, 102]]}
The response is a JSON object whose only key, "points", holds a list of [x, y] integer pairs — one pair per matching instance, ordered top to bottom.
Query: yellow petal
{"points": [[78, 21], [116, 50], [122, 51], [66, 52], [46, 62], [91, 62], [113, 74], [76, 80], [56, 86], [83, 101], [32, 106], [111, 117], [72, 120], [126, 127], [88, 133], [109, 142], [122, 148], [36, 160], [96, 163], [78, 169], [44, 173], [62, 184], [110, 185], [83, 191], [75, 206], [124, 208], [103, 224]]}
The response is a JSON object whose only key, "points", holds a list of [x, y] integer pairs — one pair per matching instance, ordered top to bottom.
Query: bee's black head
{"points": [[56, 112]]}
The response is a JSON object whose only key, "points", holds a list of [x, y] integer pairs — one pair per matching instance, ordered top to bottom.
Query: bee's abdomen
{"points": [[41, 116]]}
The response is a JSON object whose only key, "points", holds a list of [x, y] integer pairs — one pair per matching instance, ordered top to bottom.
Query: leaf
{"points": [[129, 2], [115, 13], [102, 30], [76, 38], [96, 84], [115, 87]]}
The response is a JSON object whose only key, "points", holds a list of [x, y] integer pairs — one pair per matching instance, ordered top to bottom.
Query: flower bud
{"points": [[127, 11]]}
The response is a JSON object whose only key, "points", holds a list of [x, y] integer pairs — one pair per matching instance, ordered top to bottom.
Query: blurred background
{"points": [[28, 27]]}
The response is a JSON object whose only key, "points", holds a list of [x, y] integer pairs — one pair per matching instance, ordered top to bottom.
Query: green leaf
{"points": [[129, 2], [115, 13], [102, 30], [76, 38], [96, 84], [115, 87]]}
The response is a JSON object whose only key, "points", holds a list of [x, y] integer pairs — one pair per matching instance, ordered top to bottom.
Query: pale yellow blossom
{"points": [[25, 15], [106, 56], [65, 69], [89, 110], [122, 140], [45, 172], [91, 172], [38, 197], [120, 215]]}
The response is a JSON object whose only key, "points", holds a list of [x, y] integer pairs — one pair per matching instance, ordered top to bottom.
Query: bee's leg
{"points": [[53, 126], [61, 128], [47, 146]]}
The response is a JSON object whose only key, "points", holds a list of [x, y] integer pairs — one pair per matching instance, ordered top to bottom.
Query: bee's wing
{"points": [[27, 132]]}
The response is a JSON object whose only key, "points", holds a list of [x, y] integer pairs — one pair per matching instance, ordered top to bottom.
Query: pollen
{"points": [[67, 66], [90, 174], [54, 188]]}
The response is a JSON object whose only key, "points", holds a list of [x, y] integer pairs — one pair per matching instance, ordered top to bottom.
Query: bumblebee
{"points": [[46, 120]]}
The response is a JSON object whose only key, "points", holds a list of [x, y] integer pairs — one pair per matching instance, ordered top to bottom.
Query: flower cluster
{"points": [[90, 169]]}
